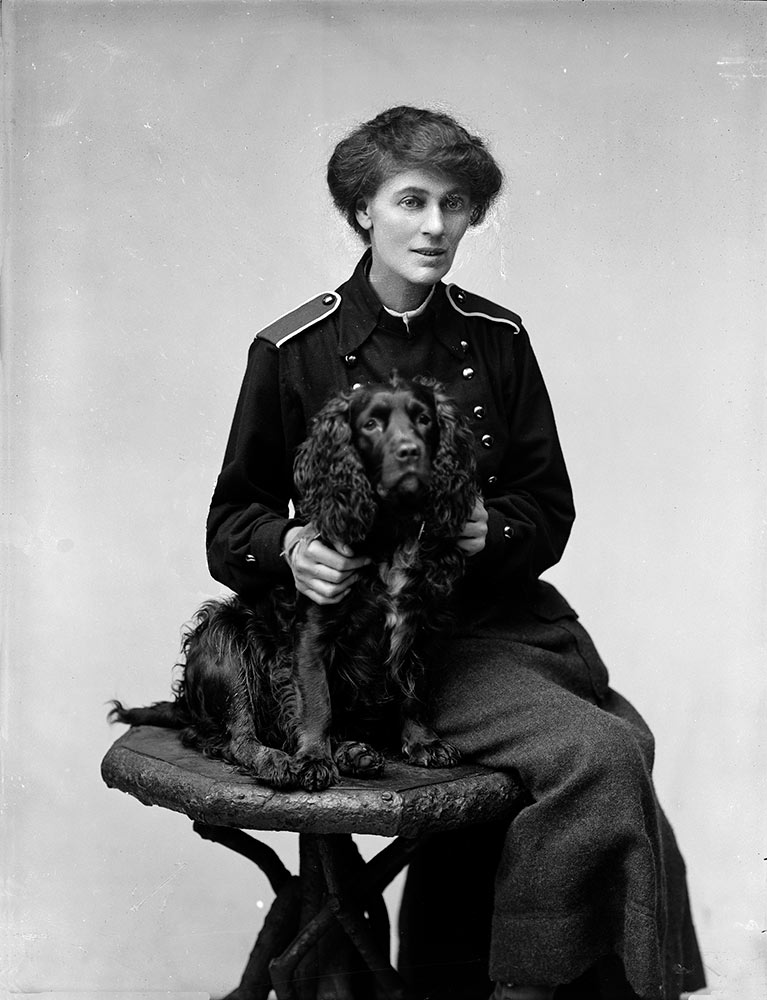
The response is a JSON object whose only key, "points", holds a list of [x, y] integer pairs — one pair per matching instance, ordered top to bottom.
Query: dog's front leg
{"points": [[408, 655], [313, 758]]}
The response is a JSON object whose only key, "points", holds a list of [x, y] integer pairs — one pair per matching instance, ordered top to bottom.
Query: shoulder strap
{"points": [[469, 304], [300, 319]]}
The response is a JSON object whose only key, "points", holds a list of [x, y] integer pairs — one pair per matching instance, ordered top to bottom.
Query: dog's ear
{"points": [[453, 485], [334, 492]]}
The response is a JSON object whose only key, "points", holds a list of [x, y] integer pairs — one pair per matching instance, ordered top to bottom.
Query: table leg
{"points": [[344, 904], [281, 923], [327, 932]]}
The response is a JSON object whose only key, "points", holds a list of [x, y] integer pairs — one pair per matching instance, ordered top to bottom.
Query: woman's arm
{"points": [[530, 506], [248, 514], [252, 544]]}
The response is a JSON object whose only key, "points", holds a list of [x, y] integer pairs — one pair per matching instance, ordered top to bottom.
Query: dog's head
{"points": [[395, 433], [403, 445]]}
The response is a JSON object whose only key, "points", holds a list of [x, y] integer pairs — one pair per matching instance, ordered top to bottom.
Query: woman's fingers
{"points": [[474, 532], [331, 561], [327, 564], [322, 573], [325, 586], [320, 595]]}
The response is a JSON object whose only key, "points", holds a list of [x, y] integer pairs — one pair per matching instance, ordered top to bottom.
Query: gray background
{"points": [[165, 199]]}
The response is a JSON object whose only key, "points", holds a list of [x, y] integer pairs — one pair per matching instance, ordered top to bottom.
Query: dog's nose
{"points": [[406, 450]]}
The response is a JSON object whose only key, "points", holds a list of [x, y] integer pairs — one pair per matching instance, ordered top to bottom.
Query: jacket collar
{"points": [[361, 313]]}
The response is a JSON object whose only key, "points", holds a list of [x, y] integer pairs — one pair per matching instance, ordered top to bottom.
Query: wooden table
{"points": [[327, 932]]}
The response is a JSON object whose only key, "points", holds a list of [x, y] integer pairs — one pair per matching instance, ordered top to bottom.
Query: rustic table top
{"points": [[152, 765]]}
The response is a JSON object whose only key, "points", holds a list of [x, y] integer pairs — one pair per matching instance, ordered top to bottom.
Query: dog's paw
{"points": [[435, 753], [358, 759], [268, 765], [278, 770], [315, 773]]}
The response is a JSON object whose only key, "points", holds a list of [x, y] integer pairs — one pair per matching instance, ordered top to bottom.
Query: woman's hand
{"points": [[474, 532], [321, 573]]}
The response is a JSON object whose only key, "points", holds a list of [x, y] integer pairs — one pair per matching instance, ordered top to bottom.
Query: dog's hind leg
{"points": [[420, 745], [423, 748], [268, 764]]}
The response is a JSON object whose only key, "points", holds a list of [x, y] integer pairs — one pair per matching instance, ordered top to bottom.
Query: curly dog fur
{"points": [[294, 692]]}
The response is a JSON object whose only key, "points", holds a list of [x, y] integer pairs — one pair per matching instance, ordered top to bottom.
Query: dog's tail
{"points": [[168, 714]]}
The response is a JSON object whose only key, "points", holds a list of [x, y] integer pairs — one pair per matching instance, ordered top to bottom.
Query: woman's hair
{"points": [[406, 138]]}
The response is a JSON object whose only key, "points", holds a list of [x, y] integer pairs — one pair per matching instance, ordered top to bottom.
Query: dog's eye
{"points": [[424, 419], [370, 425]]}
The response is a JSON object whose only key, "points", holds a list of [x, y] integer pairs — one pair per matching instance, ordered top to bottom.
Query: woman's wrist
{"points": [[290, 539], [294, 539]]}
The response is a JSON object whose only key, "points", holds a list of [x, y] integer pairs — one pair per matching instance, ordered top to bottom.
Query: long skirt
{"points": [[585, 889]]}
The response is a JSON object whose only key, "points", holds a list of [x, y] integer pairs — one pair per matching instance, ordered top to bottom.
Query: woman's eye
{"points": [[409, 202], [455, 204]]}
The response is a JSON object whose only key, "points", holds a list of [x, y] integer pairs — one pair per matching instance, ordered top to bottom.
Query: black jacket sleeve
{"points": [[529, 503], [249, 510]]}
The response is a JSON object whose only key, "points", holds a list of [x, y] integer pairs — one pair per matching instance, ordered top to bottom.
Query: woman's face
{"points": [[416, 221]]}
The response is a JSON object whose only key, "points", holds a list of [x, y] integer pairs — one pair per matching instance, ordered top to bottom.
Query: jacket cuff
{"points": [[499, 534], [266, 547], [498, 553]]}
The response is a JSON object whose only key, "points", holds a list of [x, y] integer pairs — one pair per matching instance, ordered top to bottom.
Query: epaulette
{"points": [[469, 304], [300, 319]]}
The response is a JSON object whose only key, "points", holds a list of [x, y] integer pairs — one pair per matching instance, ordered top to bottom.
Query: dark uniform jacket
{"points": [[482, 355], [513, 692]]}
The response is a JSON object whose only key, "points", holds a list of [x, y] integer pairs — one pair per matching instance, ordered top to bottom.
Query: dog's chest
{"points": [[396, 573], [397, 577]]}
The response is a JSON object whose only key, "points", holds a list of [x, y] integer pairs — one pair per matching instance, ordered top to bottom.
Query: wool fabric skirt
{"points": [[585, 890]]}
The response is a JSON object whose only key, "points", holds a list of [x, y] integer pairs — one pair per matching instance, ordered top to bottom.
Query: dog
{"points": [[296, 693]]}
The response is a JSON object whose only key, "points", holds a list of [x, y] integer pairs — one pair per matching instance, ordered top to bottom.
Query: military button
{"points": [[460, 295], [328, 300], [464, 346], [350, 360], [468, 373], [357, 385], [479, 412], [488, 440], [492, 480], [508, 531], [249, 558]]}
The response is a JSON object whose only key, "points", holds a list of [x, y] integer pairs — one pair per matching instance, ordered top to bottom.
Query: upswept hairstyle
{"points": [[406, 138]]}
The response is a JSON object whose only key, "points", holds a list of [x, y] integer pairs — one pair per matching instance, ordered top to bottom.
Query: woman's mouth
{"points": [[430, 256]]}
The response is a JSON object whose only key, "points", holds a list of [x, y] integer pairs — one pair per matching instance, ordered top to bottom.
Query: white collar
{"points": [[411, 313]]}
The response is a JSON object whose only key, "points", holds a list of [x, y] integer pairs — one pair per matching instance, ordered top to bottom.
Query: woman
{"points": [[589, 887]]}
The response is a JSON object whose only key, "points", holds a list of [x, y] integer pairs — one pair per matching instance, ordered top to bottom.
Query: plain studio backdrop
{"points": [[164, 199]]}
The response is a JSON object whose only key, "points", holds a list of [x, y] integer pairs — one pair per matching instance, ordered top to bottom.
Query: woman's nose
{"points": [[433, 221]]}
